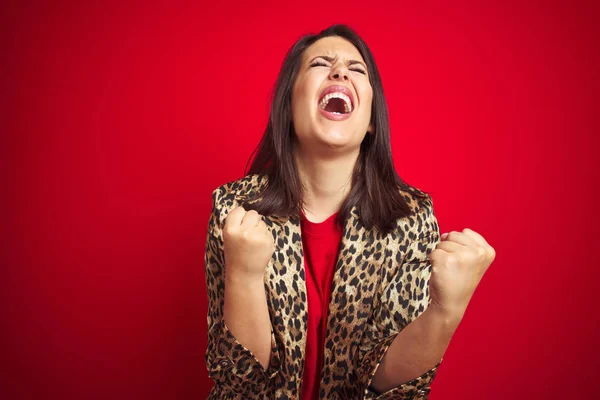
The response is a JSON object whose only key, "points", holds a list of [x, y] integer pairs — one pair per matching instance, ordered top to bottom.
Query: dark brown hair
{"points": [[376, 185]]}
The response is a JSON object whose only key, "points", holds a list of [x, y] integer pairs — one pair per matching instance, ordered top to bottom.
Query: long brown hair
{"points": [[376, 185]]}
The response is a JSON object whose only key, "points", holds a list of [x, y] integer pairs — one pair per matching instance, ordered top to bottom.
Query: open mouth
{"points": [[336, 103]]}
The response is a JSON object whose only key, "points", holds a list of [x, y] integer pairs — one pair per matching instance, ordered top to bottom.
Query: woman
{"points": [[326, 274]]}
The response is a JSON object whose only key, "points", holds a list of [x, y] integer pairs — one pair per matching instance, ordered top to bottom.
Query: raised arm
{"points": [[248, 247], [456, 265], [240, 337]]}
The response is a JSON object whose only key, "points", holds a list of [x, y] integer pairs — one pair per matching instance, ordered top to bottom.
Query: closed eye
{"points": [[318, 64], [322, 64]]}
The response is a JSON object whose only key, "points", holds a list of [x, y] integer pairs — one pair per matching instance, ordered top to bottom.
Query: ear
{"points": [[371, 129]]}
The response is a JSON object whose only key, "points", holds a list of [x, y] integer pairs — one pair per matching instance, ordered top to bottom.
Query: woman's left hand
{"points": [[459, 261]]}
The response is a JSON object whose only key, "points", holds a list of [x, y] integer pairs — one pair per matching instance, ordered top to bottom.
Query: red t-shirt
{"points": [[321, 242]]}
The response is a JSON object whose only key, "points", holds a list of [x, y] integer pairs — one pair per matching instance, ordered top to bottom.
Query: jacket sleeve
{"points": [[405, 295], [230, 365]]}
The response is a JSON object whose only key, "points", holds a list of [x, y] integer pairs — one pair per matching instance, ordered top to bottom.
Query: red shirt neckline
{"points": [[318, 228]]}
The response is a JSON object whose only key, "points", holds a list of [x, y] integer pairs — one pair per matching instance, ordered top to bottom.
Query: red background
{"points": [[119, 119]]}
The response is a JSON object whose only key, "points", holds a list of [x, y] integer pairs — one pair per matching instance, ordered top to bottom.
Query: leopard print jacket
{"points": [[380, 285]]}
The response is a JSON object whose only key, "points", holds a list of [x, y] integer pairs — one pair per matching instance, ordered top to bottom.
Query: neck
{"points": [[326, 182]]}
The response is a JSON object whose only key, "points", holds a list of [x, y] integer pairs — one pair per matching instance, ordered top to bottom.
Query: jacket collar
{"points": [[355, 281]]}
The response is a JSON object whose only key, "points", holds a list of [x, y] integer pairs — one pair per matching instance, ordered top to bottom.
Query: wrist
{"points": [[235, 276], [449, 315]]}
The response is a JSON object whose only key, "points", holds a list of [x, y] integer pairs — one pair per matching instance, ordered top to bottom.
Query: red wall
{"points": [[119, 120]]}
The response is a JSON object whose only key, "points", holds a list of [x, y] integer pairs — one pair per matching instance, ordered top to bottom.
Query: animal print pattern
{"points": [[380, 285]]}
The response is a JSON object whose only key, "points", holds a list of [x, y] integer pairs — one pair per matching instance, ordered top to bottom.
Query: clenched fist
{"points": [[247, 243], [459, 261]]}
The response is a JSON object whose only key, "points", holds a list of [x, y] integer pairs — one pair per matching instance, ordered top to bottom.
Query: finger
{"points": [[235, 216], [251, 219], [262, 226], [266, 230], [269, 234], [475, 236], [459, 237], [450, 247], [438, 255]]}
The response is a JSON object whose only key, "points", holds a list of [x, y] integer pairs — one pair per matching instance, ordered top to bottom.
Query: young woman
{"points": [[326, 274]]}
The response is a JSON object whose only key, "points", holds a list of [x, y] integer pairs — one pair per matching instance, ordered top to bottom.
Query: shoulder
{"points": [[229, 194], [417, 199], [422, 217]]}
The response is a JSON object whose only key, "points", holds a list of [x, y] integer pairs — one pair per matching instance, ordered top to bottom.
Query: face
{"points": [[332, 96]]}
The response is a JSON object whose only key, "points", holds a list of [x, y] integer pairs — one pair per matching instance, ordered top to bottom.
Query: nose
{"points": [[340, 72]]}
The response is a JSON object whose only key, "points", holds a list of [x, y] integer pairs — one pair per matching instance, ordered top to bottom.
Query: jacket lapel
{"points": [[355, 281], [354, 285], [287, 296]]}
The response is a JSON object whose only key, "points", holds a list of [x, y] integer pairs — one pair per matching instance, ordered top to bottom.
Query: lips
{"points": [[338, 89]]}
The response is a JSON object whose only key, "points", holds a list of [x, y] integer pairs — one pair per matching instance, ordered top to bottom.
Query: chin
{"points": [[338, 140]]}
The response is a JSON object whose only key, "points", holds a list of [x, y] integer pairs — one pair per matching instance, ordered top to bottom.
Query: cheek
{"points": [[306, 88], [299, 98], [367, 102], [300, 110]]}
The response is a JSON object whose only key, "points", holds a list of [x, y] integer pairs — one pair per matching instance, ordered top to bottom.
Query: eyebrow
{"points": [[331, 59]]}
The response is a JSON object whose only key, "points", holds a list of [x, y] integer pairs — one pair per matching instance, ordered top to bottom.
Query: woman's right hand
{"points": [[248, 244]]}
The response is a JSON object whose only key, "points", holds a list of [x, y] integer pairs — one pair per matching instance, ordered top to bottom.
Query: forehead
{"points": [[332, 46]]}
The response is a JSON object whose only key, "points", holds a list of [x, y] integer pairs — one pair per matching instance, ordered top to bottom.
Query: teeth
{"points": [[338, 95]]}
